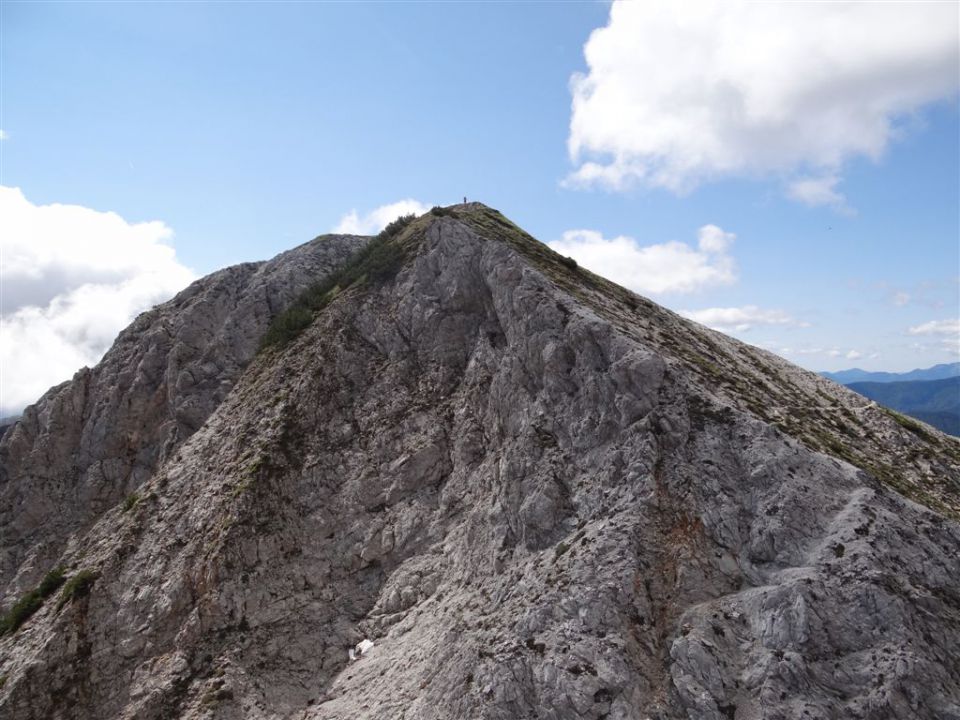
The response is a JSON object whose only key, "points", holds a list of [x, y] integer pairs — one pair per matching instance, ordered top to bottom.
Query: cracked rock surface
{"points": [[91, 441], [535, 494]]}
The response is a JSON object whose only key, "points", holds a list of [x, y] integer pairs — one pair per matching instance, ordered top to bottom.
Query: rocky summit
{"points": [[447, 473]]}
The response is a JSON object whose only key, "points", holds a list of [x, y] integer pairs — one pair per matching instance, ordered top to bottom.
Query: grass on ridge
{"points": [[377, 262]]}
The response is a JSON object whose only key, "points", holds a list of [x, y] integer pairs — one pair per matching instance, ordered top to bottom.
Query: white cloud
{"points": [[678, 93], [4, 135], [814, 191], [376, 220], [713, 239], [671, 267], [72, 279], [901, 298], [740, 319], [937, 327], [947, 333], [832, 353]]}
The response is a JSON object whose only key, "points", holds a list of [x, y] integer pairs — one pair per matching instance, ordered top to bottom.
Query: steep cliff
{"points": [[91, 441], [536, 494]]}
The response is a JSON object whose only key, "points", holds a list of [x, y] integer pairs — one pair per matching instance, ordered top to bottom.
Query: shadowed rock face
{"points": [[538, 495]]}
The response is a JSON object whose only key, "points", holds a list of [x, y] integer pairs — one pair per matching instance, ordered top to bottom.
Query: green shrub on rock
{"points": [[377, 262], [77, 587], [32, 601]]}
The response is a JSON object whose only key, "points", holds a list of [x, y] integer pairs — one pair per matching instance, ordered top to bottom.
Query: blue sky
{"points": [[244, 129]]}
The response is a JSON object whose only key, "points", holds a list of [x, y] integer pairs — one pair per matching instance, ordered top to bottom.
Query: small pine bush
{"points": [[131, 502], [51, 582], [77, 587], [32, 601], [21, 611]]}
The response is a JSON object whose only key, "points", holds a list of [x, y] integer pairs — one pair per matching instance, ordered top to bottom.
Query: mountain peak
{"points": [[469, 479]]}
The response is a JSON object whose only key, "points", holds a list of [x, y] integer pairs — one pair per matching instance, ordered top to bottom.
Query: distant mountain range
{"points": [[856, 375], [931, 395]]}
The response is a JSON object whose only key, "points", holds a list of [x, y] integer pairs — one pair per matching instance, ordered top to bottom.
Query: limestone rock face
{"points": [[91, 441], [489, 485]]}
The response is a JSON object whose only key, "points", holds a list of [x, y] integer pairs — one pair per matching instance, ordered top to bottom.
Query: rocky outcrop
{"points": [[90, 442], [537, 495]]}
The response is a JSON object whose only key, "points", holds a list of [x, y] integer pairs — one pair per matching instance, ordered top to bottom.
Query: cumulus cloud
{"points": [[678, 93], [814, 191], [376, 220], [671, 267], [72, 278], [741, 319], [937, 327], [946, 332], [837, 353]]}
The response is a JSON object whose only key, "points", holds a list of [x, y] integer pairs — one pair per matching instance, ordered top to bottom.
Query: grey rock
{"points": [[90, 442], [537, 494]]}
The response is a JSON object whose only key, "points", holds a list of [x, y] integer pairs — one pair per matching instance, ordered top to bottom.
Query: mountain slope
{"points": [[936, 402], [90, 442], [538, 495]]}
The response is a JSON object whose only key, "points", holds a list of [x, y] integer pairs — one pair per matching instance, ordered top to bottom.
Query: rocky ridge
{"points": [[90, 442], [537, 495]]}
